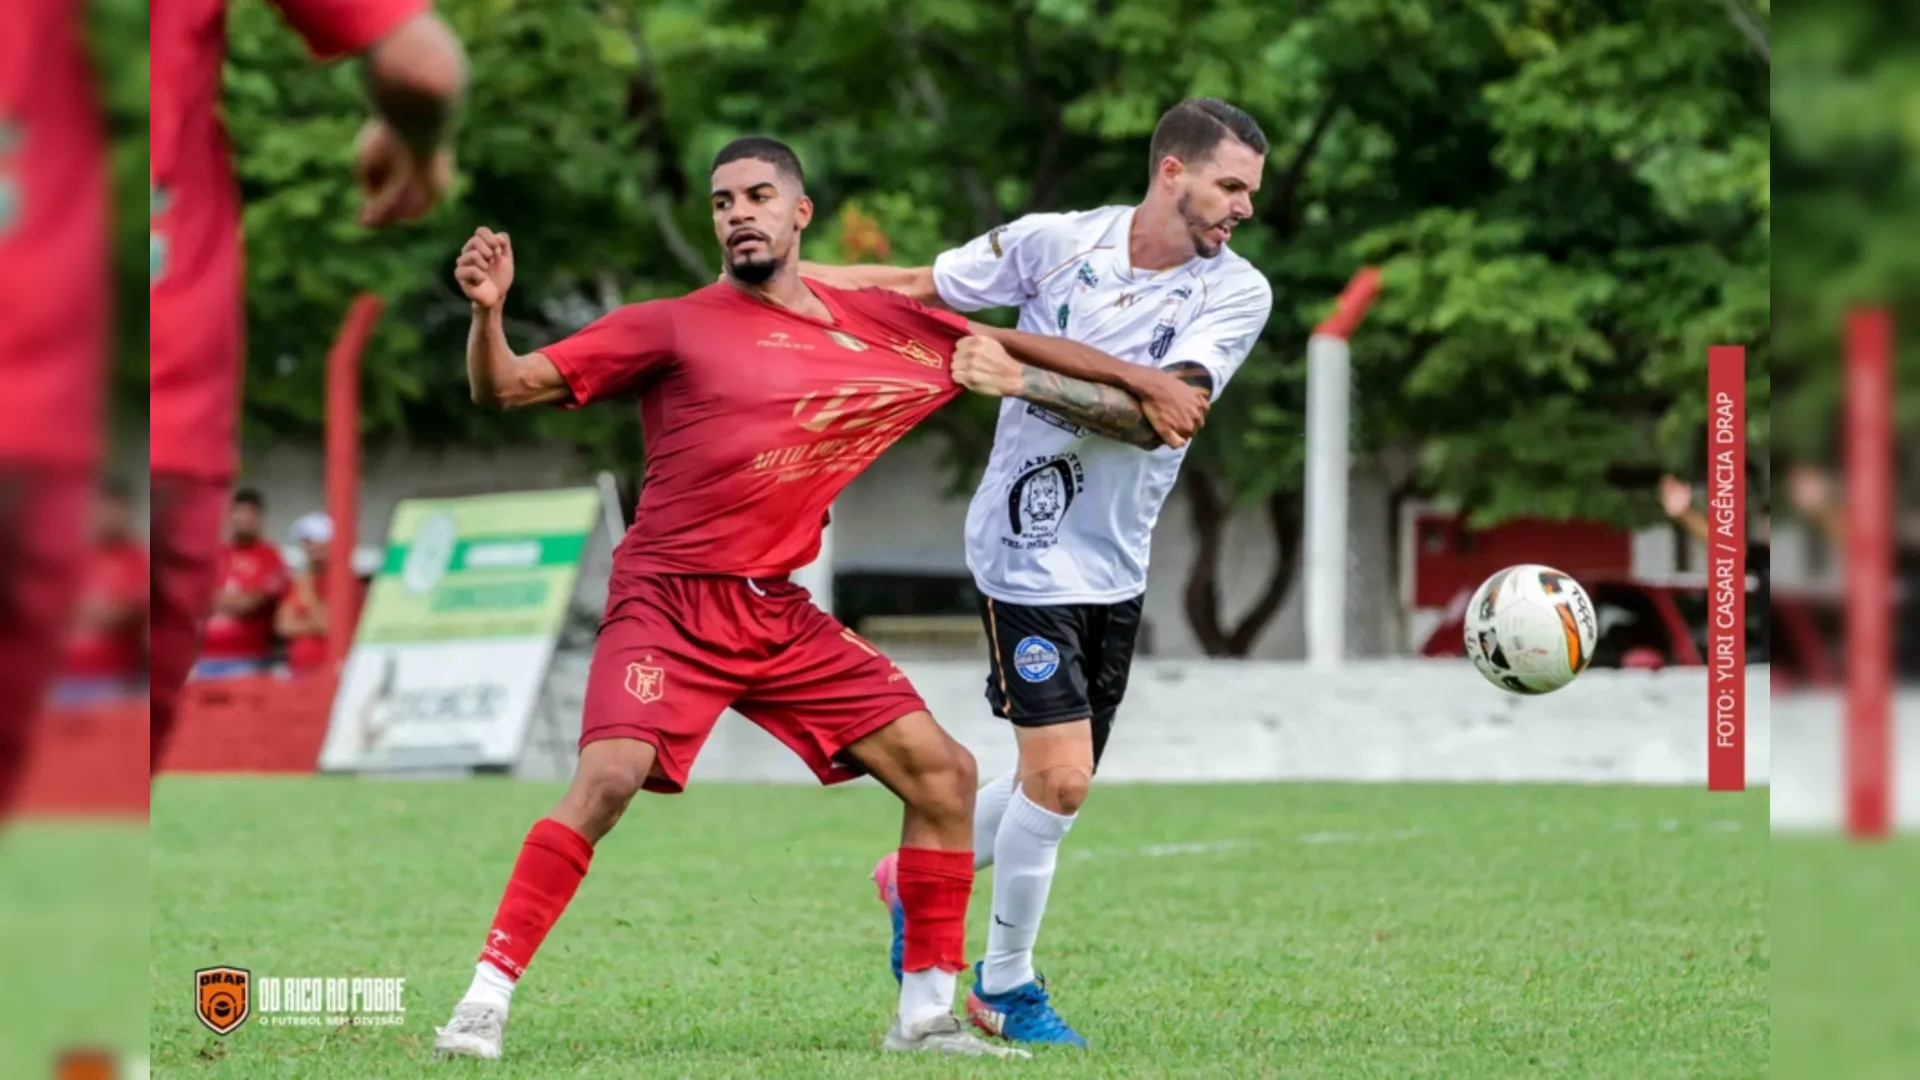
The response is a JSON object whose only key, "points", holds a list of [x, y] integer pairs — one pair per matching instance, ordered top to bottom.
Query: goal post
{"points": [[1328, 467], [1869, 575]]}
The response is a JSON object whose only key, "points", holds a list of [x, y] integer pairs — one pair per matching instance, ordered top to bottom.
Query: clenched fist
{"points": [[396, 183], [485, 268], [983, 366]]}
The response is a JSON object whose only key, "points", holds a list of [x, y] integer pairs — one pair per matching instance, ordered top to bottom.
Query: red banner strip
{"points": [[1727, 568]]}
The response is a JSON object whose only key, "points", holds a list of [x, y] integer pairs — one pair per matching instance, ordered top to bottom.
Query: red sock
{"points": [[552, 862], [934, 889]]}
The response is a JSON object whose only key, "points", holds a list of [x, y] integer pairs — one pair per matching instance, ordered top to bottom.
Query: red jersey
{"points": [[53, 237], [197, 322], [756, 417], [252, 568], [115, 575], [307, 652]]}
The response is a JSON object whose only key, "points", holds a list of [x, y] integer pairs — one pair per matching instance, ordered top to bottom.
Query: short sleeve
{"points": [[336, 28], [1002, 268], [1225, 332], [613, 355]]}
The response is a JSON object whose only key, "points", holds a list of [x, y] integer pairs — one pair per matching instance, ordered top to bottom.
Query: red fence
{"points": [[93, 762]]}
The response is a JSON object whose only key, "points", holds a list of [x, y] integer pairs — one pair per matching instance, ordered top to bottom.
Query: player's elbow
{"points": [[419, 68], [921, 287]]}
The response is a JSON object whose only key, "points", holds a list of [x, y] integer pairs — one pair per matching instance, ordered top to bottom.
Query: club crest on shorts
{"points": [[1036, 659], [645, 683], [220, 998]]}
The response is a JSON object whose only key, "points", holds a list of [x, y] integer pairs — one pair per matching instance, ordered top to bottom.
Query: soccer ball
{"points": [[1530, 629]]}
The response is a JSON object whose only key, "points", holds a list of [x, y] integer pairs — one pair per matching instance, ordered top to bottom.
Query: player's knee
{"points": [[947, 782], [1062, 789], [601, 791]]}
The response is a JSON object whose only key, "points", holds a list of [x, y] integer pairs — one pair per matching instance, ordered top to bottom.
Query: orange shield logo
{"points": [[646, 683], [220, 999]]}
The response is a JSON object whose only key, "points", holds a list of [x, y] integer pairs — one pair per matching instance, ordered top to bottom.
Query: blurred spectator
{"points": [[1812, 493], [1676, 498], [253, 578], [302, 617], [106, 650]]}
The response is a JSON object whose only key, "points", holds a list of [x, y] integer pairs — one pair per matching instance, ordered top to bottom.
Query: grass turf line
{"points": [[1235, 930]]}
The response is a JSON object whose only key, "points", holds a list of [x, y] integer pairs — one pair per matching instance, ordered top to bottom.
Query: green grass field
{"points": [[1235, 931]]}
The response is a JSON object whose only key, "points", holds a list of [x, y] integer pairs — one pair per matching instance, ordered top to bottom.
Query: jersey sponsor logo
{"points": [[993, 241], [1061, 316], [781, 340], [847, 341], [1162, 341], [918, 352], [1054, 419], [1038, 501], [1036, 659], [646, 683], [220, 998]]}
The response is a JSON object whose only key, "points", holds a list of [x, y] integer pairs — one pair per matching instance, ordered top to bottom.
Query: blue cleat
{"points": [[886, 878], [1022, 1014]]}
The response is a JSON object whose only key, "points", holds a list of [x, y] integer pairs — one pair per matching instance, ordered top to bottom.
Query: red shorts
{"points": [[678, 650]]}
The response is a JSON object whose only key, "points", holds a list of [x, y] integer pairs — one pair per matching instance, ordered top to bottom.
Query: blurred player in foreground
{"points": [[415, 77], [53, 346], [761, 397], [1059, 530]]}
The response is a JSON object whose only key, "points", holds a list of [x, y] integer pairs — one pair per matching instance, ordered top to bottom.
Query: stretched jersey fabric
{"points": [[756, 417], [1062, 515]]}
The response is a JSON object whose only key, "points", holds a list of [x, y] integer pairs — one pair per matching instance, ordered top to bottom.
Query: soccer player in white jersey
{"points": [[1059, 530]]}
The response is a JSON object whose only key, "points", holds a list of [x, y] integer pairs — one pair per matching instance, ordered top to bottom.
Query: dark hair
{"points": [[1192, 130], [760, 148], [115, 489], [249, 497]]}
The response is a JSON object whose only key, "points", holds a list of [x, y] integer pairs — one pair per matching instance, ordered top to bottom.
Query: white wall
{"points": [[1378, 721]]}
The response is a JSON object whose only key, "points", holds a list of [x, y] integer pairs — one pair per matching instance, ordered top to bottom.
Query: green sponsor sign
{"points": [[479, 568]]}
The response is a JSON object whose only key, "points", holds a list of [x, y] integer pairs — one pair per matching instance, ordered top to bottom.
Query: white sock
{"points": [[989, 806], [1025, 853], [491, 986], [925, 994]]}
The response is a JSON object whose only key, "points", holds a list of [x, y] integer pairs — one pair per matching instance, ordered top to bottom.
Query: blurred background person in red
{"points": [[415, 75], [54, 278], [302, 618], [238, 639], [106, 651]]}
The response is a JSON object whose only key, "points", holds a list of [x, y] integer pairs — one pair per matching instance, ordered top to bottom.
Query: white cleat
{"points": [[475, 1031], [943, 1034]]}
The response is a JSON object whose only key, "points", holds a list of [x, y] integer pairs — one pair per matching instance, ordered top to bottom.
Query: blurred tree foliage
{"points": [[1847, 112], [1570, 201]]}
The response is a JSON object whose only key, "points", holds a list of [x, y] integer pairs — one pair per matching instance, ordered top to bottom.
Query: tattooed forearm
{"points": [[1110, 411]]}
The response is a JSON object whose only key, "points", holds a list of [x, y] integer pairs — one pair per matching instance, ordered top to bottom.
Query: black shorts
{"points": [[1056, 664]]}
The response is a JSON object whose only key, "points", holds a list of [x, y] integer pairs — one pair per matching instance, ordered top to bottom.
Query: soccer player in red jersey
{"points": [[415, 76], [53, 346], [761, 396]]}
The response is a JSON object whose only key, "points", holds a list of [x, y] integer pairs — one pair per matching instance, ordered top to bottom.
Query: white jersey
{"points": [[1065, 516]]}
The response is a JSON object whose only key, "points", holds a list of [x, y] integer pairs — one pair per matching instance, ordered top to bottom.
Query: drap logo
{"points": [[221, 999]]}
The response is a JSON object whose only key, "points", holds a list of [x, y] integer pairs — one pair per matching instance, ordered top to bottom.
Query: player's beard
{"points": [[1198, 228], [753, 271]]}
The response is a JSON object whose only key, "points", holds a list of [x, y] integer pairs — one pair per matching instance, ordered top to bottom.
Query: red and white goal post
{"points": [[1329, 460]]}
